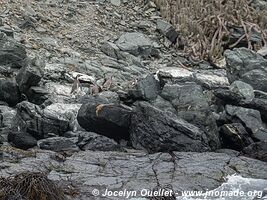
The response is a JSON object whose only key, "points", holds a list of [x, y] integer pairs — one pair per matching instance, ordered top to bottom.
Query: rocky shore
{"points": [[97, 95]]}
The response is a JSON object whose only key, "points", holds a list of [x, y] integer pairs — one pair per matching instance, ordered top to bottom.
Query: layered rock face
{"points": [[107, 102]]}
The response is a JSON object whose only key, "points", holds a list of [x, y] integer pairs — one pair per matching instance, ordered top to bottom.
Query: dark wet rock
{"points": [[167, 30], [136, 44], [12, 53], [247, 66], [30, 75], [146, 88], [244, 90], [9, 92], [37, 95], [228, 97], [260, 104], [163, 105], [191, 105], [105, 119], [251, 119], [38, 123], [157, 131], [235, 136], [21, 140], [95, 142], [59, 144], [257, 150]]}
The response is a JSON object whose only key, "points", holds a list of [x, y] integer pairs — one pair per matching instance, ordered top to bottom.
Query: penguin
{"points": [[76, 84], [107, 84], [94, 89]]}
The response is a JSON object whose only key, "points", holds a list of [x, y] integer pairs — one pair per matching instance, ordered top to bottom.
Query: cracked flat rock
{"points": [[137, 170]]}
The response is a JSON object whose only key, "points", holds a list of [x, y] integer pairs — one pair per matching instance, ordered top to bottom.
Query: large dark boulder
{"points": [[12, 54], [247, 66], [30, 75], [9, 92], [191, 105], [109, 120], [39, 124], [156, 131], [234, 136], [21, 140], [257, 150]]}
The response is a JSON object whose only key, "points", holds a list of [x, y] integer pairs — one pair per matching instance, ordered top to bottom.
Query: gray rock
{"points": [[115, 2], [167, 30], [9, 32], [136, 44], [111, 50], [263, 51], [12, 53], [247, 66], [174, 74], [30, 75], [212, 79], [146, 88], [244, 90], [9, 92], [110, 97], [92, 99], [260, 104], [163, 105], [191, 105], [67, 112], [7, 114], [249, 117], [30, 118], [109, 120], [157, 131], [261, 135], [234, 136], [21, 140], [95, 142], [59, 144], [257, 150], [86, 170]]}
